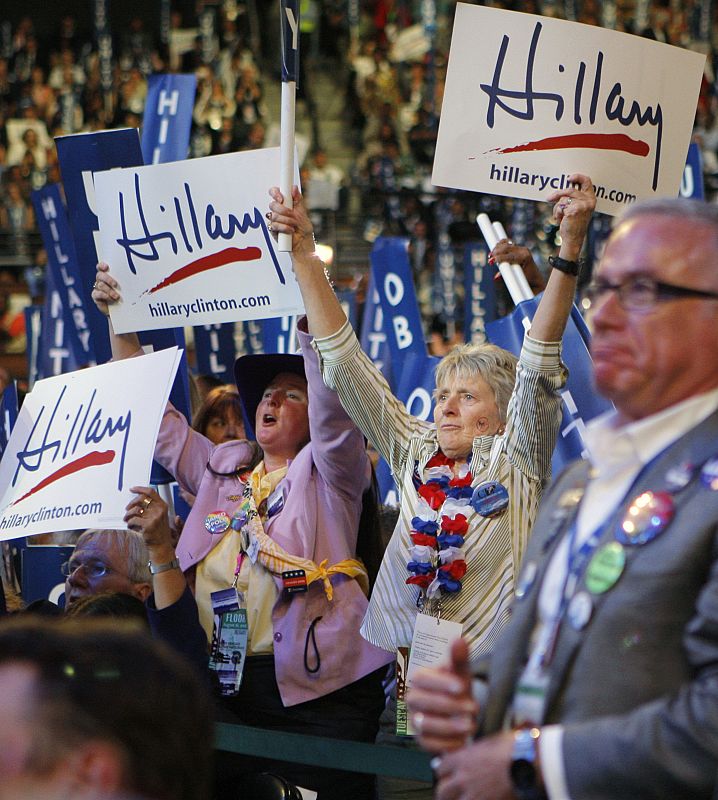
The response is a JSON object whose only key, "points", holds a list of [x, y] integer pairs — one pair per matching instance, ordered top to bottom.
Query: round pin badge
{"points": [[709, 474], [679, 476], [571, 497], [489, 498], [648, 516], [217, 522], [605, 568], [526, 579], [579, 610]]}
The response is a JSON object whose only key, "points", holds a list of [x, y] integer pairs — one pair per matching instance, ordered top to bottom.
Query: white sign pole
{"points": [[289, 23], [286, 154], [515, 268], [505, 269]]}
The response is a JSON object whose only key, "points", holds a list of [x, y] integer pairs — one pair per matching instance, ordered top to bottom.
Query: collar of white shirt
{"points": [[611, 444]]}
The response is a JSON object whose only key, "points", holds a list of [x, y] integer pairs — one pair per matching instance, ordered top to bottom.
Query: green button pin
{"points": [[605, 568]]}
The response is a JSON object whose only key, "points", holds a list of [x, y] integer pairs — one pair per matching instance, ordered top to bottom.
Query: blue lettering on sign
{"points": [[614, 108], [213, 224], [92, 430]]}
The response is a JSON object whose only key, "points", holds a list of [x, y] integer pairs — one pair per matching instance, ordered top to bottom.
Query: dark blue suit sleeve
{"points": [[178, 625]]}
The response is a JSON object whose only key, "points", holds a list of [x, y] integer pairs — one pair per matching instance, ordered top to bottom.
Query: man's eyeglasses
{"points": [[642, 293], [93, 569]]}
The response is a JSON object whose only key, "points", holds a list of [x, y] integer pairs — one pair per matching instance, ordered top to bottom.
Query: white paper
{"points": [[530, 100], [189, 242], [80, 442], [431, 643]]}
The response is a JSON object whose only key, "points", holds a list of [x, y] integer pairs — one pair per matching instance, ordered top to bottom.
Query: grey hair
{"points": [[689, 211], [494, 364], [131, 545]]}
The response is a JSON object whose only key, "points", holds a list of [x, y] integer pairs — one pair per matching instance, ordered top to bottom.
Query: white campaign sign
{"points": [[530, 100], [189, 242], [80, 442]]}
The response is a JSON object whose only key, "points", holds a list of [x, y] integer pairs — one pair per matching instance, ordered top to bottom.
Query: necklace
{"points": [[437, 562]]}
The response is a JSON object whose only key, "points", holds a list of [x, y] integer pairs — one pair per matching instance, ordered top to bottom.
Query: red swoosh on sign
{"points": [[595, 141], [226, 256], [94, 459]]}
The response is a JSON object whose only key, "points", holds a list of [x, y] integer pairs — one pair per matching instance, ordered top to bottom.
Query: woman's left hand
{"points": [[573, 208], [507, 251]]}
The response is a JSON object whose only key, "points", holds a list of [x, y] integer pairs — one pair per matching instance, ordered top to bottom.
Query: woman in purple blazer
{"points": [[296, 511]]}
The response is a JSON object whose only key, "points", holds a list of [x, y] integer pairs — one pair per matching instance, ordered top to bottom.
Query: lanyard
{"points": [[577, 561]]}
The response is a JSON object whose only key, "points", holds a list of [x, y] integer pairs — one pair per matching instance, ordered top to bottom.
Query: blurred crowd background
{"points": [[370, 92]]}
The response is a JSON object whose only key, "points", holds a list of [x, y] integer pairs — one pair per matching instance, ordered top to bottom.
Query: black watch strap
{"points": [[564, 265], [523, 769]]}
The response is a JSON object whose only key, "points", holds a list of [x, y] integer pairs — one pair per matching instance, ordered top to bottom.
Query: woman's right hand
{"points": [[294, 221], [104, 290]]}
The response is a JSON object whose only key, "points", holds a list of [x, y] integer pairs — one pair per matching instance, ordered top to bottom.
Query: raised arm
{"points": [[573, 209], [104, 292], [324, 313], [346, 369], [180, 450]]}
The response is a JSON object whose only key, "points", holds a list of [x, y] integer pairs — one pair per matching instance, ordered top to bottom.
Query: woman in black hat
{"points": [[279, 539]]}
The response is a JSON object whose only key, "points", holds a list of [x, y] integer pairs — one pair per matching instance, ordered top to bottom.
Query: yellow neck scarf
{"points": [[271, 555]]}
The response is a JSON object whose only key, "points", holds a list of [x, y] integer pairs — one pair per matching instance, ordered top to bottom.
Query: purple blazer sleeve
{"points": [[338, 446], [182, 451]]}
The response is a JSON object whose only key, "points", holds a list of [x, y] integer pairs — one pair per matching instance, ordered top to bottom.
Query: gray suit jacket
{"points": [[636, 689]]}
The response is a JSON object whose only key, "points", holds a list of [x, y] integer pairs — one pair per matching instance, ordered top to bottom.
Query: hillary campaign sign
{"points": [[530, 100], [168, 118], [79, 156], [692, 182], [190, 245], [63, 266], [391, 275], [479, 292], [374, 341], [215, 351], [56, 353], [8, 414], [81, 440]]}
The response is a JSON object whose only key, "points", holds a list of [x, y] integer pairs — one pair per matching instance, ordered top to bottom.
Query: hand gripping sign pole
{"points": [[289, 11], [518, 272], [512, 274]]}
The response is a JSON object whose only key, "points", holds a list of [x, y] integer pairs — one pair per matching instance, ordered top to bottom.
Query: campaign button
{"points": [[709, 474], [679, 476], [571, 497], [489, 498], [648, 515], [217, 522], [605, 568], [526, 579], [579, 610]]}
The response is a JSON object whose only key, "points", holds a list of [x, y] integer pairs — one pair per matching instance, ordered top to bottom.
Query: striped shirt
{"points": [[520, 459]]}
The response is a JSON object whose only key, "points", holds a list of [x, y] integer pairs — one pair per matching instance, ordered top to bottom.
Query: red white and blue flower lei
{"points": [[437, 562]]}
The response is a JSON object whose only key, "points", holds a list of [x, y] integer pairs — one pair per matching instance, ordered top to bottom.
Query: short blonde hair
{"points": [[494, 364]]}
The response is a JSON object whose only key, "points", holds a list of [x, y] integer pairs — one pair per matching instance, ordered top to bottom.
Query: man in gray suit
{"points": [[605, 683]]}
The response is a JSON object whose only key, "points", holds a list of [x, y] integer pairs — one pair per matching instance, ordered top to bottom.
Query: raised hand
{"points": [[105, 289]]}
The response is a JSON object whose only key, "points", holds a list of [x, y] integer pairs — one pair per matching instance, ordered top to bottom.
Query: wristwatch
{"points": [[564, 265], [157, 568], [523, 770]]}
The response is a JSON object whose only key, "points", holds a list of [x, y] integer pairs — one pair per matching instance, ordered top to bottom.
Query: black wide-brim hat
{"points": [[253, 374]]}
